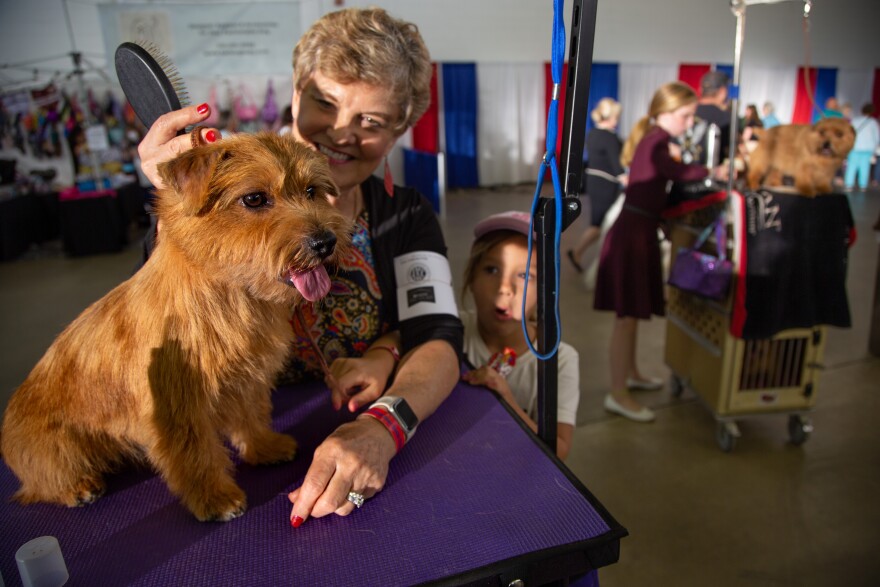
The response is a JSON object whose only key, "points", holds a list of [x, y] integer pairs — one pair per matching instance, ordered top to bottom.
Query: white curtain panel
{"points": [[758, 85], [855, 86], [636, 88], [511, 123], [395, 158]]}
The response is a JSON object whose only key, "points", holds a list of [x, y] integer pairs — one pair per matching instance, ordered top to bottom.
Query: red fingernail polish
{"points": [[202, 108], [210, 136], [296, 521]]}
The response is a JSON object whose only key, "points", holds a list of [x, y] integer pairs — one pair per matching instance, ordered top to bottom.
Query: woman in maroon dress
{"points": [[630, 280]]}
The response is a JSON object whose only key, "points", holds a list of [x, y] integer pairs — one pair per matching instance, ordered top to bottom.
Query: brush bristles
{"points": [[170, 70]]}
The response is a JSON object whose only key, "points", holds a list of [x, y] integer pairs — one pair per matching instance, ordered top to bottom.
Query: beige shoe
{"points": [[649, 384], [643, 415]]}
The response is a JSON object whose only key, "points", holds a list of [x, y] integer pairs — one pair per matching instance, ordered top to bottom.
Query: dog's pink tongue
{"points": [[313, 284]]}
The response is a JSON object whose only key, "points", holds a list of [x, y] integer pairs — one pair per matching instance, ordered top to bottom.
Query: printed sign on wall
{"points": [[228, 39]]}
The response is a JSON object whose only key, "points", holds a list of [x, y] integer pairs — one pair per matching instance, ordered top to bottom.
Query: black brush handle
{"points": [[146, 85]]}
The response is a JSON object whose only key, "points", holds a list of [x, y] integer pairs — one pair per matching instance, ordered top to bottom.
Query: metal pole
{"points": [[739, 9], [580, 62], [548, 375]]}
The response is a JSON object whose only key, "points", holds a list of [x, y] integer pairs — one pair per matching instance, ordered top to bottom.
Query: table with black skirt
{"points": [[18, 219], [27, 219], [92, 222], [474, 498]]}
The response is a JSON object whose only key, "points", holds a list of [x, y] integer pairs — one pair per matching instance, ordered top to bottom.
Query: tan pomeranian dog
{"points": [[809, 155], [182, 355]]}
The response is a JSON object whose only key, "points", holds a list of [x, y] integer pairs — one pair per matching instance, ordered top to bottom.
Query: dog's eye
{"points": [[310, 192], [255, 200]]}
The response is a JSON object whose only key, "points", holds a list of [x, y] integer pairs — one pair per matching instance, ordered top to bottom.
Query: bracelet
{"points": [[391, 349], [390, 423]]}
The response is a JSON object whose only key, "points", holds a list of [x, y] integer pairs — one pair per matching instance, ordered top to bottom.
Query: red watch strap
{"points": [[391, 423]]}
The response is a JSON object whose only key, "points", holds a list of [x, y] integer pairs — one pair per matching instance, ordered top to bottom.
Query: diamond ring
{"points": [[356, 498]]}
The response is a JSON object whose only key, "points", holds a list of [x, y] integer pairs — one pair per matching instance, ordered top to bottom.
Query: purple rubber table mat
{"points": [[472, 496]]}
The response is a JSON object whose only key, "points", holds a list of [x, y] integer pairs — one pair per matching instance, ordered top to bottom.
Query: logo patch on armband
{"points": [[419, 273], [424, 285], [420, 294]]}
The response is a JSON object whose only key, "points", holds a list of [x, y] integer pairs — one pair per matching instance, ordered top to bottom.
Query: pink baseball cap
{"points": [[511, 220]]}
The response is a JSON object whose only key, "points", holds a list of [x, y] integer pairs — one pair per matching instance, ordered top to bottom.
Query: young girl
{"points": [[495, 275], [630, 281]]}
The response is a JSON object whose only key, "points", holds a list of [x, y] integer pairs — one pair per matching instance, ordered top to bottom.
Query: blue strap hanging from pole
{"points": [[557, 60]]}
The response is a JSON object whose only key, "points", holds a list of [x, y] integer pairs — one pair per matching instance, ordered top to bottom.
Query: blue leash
{"points": [[549, 161]]}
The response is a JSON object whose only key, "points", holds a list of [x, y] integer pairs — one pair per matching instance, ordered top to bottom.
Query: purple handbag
{"points": [[700, 273]]}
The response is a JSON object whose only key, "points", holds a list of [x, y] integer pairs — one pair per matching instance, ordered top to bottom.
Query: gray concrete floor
{"points": [[766, 514]]}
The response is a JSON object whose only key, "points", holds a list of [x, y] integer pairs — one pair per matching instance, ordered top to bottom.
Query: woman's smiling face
{"points": [[351, 124]]}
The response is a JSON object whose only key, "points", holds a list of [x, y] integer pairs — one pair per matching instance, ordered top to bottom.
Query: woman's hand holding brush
{"points": [[162, 143]]}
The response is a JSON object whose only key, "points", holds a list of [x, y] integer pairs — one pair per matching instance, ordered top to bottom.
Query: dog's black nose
{"points": [[323, 244]]}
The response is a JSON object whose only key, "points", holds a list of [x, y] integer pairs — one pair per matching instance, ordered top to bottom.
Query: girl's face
{"points": [[679, 120], [351, 124], [498, 286]]}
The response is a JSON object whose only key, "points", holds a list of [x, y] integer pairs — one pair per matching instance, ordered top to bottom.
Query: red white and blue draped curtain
{"points": [[460, 117], [490, 118], [426, 133]]}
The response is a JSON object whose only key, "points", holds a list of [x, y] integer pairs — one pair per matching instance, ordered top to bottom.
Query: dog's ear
{"points": [[814, 139], [189, 174]]}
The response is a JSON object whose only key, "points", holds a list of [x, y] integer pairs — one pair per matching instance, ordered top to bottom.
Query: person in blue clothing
{"points": [[832, 108], [770, 120], [858, 163]]}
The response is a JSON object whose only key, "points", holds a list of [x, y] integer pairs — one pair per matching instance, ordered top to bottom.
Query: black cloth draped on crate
{"points": [[795, 263]]}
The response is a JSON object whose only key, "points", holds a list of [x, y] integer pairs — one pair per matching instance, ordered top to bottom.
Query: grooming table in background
{"points": [[474, 499]]}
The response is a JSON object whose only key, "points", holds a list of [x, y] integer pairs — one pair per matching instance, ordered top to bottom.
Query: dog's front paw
{"points": [[272, 448], [86, 492], [222, 506], [227, 515]]}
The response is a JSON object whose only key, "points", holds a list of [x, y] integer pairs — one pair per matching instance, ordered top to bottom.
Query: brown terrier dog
{"points": [[810, 155], [183, 354]]}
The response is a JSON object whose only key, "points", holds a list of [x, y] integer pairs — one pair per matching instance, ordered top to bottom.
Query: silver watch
{"points": [[399, 408]]}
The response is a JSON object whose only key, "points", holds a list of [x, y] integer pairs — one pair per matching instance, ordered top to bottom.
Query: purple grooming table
{"points": [[475, 498]]}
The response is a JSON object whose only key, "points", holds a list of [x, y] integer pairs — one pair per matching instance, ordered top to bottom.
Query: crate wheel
{"points": [[676, 386], [799, 429], [726, 434]]}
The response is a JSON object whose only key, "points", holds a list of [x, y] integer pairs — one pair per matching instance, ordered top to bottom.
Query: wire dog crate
{"points": [[735, 377]]}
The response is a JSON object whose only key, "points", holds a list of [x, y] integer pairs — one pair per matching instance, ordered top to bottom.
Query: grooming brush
{"points": [[150, 81]]}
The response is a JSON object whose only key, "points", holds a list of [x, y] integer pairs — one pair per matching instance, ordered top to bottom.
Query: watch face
{"points": [[407, 416]]}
